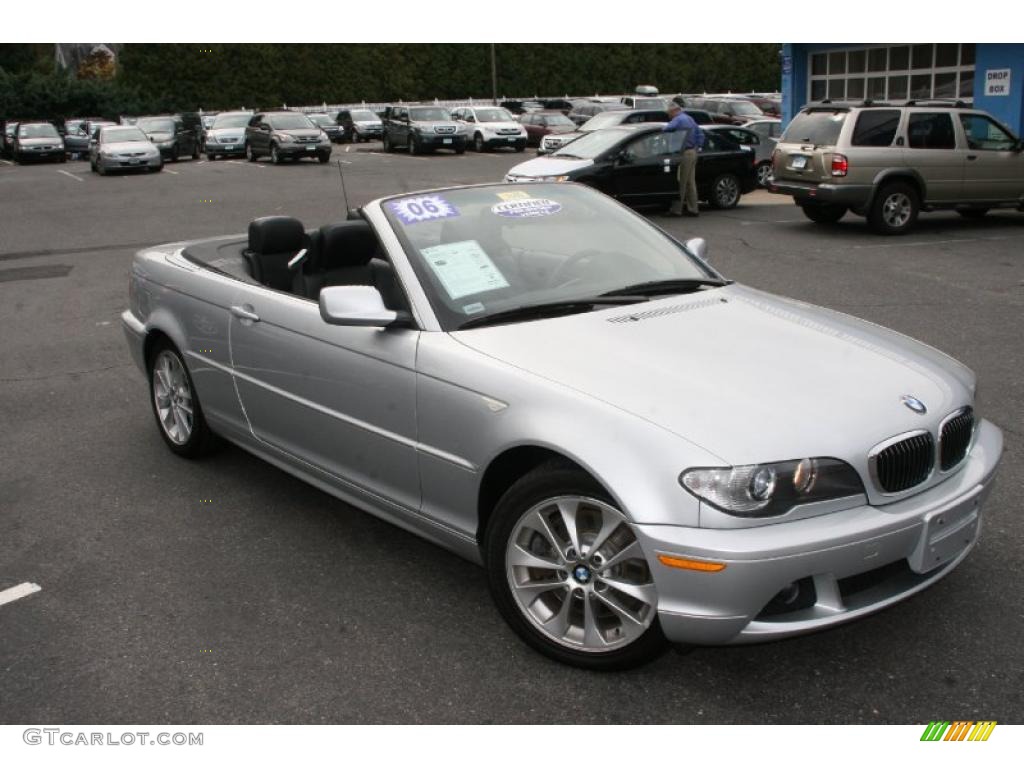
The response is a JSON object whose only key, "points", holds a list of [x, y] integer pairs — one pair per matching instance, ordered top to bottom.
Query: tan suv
{"points": [[889, 162]]}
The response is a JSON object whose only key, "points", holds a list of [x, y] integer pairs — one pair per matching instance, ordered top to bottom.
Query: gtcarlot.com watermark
{"points": [[68, 738]]}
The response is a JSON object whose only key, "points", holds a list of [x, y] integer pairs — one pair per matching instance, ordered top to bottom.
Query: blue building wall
{"points": [[1008, 109]]}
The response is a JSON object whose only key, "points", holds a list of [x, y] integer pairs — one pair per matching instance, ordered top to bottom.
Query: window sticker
{"points": [[514, 195], [527, 209], [412, 210], [464, 268], [473, 309]]}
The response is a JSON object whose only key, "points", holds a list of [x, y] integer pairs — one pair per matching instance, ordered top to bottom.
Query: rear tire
{"points": [[387, 143], [195, 151], [764, 171], [725, 191], [894, 209], [824, 214], [586, 624]]}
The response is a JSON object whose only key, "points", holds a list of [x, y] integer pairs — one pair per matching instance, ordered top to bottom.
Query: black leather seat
{"points": [[273, 242], [340, 255]]}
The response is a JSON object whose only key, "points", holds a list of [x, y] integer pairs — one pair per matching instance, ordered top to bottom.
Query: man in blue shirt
{"points": [[687, 174]]}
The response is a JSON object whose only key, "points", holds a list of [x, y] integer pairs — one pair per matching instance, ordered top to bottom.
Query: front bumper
{"points": [[368, 133], [441, 140], [493, 142], [236, 148], [304, 150], [39, 154], [129, 163], [804, 193], [135, 335], [849, 564]]}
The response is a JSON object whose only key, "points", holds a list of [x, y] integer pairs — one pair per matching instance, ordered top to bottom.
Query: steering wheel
{"points": [[558, 277]]}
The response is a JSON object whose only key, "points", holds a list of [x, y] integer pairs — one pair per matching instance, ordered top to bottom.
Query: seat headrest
{"points": [[276, 234], [348, 244]]}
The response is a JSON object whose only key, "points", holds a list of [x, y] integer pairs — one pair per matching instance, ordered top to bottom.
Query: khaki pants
{"points": [[687, 176]]}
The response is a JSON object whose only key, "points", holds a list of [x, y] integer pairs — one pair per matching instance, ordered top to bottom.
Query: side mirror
{"points": [[698, 246], [357, 306]]}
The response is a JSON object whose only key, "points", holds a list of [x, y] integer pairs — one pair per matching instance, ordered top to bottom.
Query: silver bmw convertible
{"points": [[636, 449]]}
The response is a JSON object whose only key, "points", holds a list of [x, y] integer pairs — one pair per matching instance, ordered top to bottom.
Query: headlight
{"points": [[324, 136], [284, 138], [166, 144], [765, 490]]}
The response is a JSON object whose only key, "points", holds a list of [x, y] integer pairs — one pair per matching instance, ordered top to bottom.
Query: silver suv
{"points": [[889, 162]]}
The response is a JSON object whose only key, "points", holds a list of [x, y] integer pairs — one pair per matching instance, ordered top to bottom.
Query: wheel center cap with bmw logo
{"points": [[914, 404], [581, 573]]}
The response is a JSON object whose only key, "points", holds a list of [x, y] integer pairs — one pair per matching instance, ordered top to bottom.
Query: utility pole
{"points": [[494, 76]]}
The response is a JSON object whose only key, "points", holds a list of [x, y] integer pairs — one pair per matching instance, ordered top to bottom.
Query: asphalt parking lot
{"points": [[225, 591]]}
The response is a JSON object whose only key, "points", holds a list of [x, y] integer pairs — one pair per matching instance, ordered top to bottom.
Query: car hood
{"points": [[367, 123], [501, 126], [219, 132], [300, 133], [159, 136], [41, 142], [129, 146], [549, 166], [748, 376]]}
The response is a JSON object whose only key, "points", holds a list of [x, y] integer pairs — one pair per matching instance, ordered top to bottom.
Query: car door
{"points": [[931, 148], [717, 156], [994, 163], [645, 171], [340, 399]]}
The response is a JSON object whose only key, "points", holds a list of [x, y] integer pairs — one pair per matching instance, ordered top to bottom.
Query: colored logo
{"points": [[913, 404], [958, 730]]}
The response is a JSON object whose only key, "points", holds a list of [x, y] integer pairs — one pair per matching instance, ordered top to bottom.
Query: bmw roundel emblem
{"points": [[913, 404]]}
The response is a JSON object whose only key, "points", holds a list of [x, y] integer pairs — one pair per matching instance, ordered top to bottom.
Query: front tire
{"points": [[387, 143], [478, 143], [414, 146], [175, 153], [249, 154], [275, 157], [764, 172], [725, 191], [894, 209], [824, 214], [179, 416], [568, 574]]}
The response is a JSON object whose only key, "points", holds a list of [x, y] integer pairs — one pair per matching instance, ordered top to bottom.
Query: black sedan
{"points": [[637, 165]]}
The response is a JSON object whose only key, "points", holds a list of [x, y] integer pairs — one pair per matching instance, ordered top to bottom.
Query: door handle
{"points": [[972, 157], [245, 313]]}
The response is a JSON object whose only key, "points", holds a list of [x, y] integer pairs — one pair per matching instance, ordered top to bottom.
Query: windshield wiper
{"points": [[565, 154], [655, 287], [549, 309]]}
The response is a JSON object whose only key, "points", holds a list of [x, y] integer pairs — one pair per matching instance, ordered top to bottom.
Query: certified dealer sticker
{"points": [[527, 209]]}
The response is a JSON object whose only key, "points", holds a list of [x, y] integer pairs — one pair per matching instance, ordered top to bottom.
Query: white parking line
{"points": [[6, 162], [200, 162], [168, 170], [71, 175], [18, 592]]}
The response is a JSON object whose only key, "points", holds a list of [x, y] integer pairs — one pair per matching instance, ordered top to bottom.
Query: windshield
{"points": [[658, 103], [746, 108], [429, 113], [364, 115], [494, 116], [557, 118], [238, 120], [321, 120], [603, 120], [287, 122], [156, 125], [74, 126], [820, 128], [38, 131], [127, 133], [590, 145], [482, 250]]}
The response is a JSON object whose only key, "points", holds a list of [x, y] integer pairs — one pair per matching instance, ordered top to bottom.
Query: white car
{"points": [[490, 128]]}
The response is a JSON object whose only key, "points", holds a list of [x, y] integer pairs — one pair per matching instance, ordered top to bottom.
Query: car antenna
{"points": [[344, 192]]}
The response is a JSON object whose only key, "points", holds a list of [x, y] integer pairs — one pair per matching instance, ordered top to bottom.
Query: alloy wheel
{"points": [[764, 171], [727, 191], [897, 210], [173, 397], [577, 572]]}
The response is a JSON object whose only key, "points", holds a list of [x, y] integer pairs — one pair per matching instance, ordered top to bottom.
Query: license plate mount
{"points": [[799, 162], [945, 534]]}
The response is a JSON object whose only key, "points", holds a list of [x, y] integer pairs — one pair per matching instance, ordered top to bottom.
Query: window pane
{"points": [[946, 54], [966, 54], [922, 56], [899, 58], [877, 59], [855, 62], [837, 63], [819, 64], [966, 84], [945, 85], [898, 87], [921, 87], [855, 88], [876, 88], [837, 89], [817, 90], [876, 128], [931, 131], [982, 133]]}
